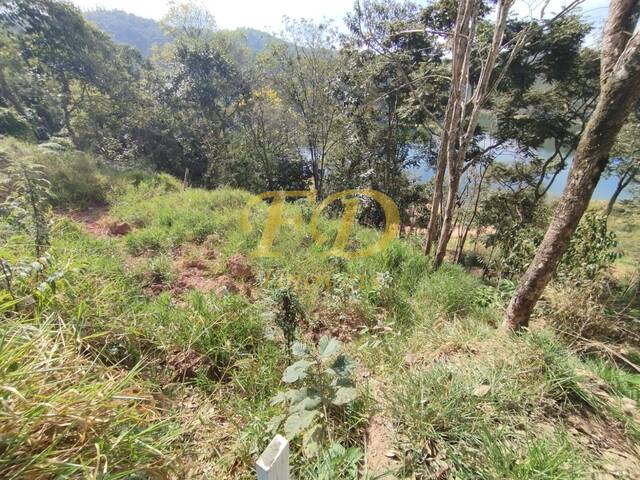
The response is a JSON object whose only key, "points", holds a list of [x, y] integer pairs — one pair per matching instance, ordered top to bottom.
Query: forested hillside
{"points": [[122, 27], [144, 33], [225, 237]]}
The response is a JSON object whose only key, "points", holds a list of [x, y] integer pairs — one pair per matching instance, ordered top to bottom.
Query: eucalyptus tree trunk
{"points": [[619, 79], [466, 113], [441, 167], [623, 182]]}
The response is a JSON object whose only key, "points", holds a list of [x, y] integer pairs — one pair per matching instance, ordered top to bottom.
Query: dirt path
{"points": [[381, 460]]}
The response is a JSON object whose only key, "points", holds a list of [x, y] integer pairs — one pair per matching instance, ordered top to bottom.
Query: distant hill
{"points": [[129, 29], [143, 33], [258, 40]]}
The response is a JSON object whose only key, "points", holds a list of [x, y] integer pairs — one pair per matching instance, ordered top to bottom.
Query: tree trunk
{"points": [[465, 21], [618, 96], [467, 113], [624, 181], [436, 201], [473, 217], [445, 233]]}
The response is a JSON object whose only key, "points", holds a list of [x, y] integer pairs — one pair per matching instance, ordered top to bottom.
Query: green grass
{"points": [[186, 378]]}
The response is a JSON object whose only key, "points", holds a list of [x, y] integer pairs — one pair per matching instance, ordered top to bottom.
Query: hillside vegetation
{"points": [[145, 33], [346, 237], [157, 348]]}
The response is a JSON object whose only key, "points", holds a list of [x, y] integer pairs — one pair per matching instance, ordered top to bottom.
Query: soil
{"points": [[93, 219], [96, 221], [380, 456]]}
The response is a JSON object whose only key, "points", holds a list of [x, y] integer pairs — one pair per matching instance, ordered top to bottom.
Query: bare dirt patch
{"points": [[93, 219], [96, 221], [239, 268], [197, 270], [344, 324], [381, 459]]}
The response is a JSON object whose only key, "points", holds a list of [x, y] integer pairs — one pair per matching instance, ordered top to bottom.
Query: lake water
{"points": [[604, 190]]}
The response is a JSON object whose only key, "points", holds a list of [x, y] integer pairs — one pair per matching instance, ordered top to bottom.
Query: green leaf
{"points": [[328, 346], [299, 350], [342, 366], [297, 371], [296, 395], [344, 395], [279, 398], [310, 401], [299, 422], [274, 423], [312, 441]]}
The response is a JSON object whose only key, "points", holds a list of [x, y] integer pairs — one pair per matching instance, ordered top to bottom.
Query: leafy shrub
{"points": [[13, 124], [75, 180], [27, 208], [592, 250], [288, 315], [324, 377]]}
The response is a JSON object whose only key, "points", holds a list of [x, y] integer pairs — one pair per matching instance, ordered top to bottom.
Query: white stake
{"points": [[273, 464]]}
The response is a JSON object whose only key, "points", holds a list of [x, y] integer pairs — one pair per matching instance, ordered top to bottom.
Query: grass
{"points": [[625, 221], [99, 376], [63, 415]]}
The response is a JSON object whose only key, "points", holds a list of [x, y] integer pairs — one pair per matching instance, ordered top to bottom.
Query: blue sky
{"points": [[267, 14]]}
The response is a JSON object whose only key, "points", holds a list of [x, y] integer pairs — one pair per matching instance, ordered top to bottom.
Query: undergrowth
{"points": [[101, 376]]}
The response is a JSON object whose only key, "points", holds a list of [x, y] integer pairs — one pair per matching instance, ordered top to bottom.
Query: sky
{"points": [[267, 14]]}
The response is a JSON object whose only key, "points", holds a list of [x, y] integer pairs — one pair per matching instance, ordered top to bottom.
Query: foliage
{"points": [[14, 125], [27, 207], [593, 248], [288, 315], [325, 387], [336, 462]]}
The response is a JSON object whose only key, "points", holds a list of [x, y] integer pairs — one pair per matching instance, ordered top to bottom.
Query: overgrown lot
{"points": [[149, 342]]}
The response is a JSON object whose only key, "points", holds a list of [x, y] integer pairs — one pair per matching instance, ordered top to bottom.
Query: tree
{"points": [[188, 21], [57, 41], [484, 55], [68, 64], [303, 73], [619, 76], [391, 83], [200, 87], [551, 116], [268, 153], [625, 161]]}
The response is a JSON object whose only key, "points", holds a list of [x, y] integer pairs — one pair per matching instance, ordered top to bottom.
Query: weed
{"points": [[326, 386]]}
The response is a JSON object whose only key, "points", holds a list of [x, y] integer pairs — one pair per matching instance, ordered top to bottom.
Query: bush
{"points": [[13, 124], [75, 179], [592, 250]]}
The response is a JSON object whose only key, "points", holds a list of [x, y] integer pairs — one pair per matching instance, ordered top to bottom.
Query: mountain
{"points": [[129, 29], [143, 33], [258, 40]]}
